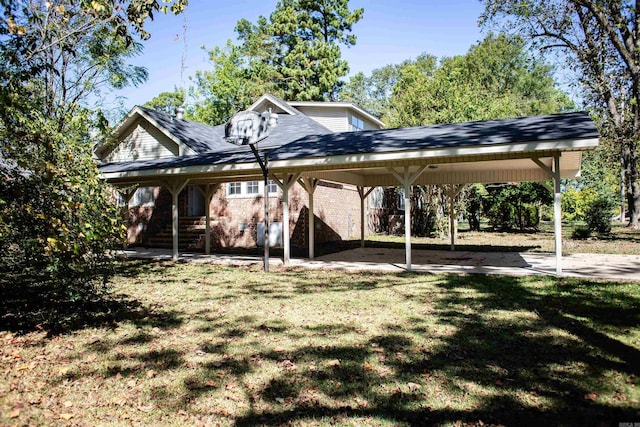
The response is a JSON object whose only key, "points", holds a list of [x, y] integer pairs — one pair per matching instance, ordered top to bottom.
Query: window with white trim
{"points": [[356, 123], [253, 187], [272, 187], [234, 188]]}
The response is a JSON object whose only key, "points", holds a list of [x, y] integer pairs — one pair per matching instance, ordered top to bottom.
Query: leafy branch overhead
{"points": [[599, 43], [58, 222]]}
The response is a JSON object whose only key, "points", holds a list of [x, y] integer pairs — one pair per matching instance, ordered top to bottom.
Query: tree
{"points": [[600, 43], [299, 46], [496, 79], [232, 85], [373, 93], [167, 102], [57, 225]]}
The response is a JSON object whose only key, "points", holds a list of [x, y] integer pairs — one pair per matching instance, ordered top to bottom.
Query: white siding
{"points": [[334, 119], [369, 125], [143, 142]]}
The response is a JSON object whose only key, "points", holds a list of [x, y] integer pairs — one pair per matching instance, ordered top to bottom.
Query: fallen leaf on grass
{"points": [[334, 362], [367, 366], [151, 373], [210, 383], [414, 386], [68, 404], [145, 409], [14, 413], [66, 416]]}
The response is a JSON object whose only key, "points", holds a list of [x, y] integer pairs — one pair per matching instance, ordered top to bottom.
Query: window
{"points": [[357, 123], [253, 187], [272, 187], [234, 188], [400, 194], [144, 196]]}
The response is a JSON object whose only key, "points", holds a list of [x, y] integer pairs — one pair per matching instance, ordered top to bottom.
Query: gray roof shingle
{"points": [[203, 138], [295, 139]]}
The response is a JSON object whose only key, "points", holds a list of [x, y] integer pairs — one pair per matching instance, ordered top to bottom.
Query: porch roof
{"points": [[483, 151]]}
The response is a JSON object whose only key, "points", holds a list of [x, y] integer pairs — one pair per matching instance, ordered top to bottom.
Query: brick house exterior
{"points": [[237, 208]]}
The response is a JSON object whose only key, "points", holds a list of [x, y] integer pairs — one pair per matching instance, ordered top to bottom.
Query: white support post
{"points": [[554, 174], [406, 180], [310, 184], [286, 185], [175, 188], [207, 192], [452, 192], [363, 195], [557, 213], [407, 218]]}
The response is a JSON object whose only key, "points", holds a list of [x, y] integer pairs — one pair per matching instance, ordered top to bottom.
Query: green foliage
{"points": [[595, 43], [298, 47], [497, 78], [232, 85], [373, 93], [167, 102], [475, 197], [575, 203], [516, 206], [598, 214], [57, 225]]}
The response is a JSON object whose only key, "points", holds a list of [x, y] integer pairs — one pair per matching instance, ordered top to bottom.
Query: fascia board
{"points": [[362, 159]]}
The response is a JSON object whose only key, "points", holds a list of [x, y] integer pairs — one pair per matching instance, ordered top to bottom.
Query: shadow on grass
{"points": [[28, 307], [518, 353]]}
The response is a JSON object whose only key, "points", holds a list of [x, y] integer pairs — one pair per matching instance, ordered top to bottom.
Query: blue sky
{"points": [[390, 32]]}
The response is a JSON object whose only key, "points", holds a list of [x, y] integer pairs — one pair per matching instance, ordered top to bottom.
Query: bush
{"points": [[598, 214], [501, 216]]}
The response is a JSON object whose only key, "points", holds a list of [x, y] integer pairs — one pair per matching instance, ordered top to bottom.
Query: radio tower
{"points": [[185, 49]]}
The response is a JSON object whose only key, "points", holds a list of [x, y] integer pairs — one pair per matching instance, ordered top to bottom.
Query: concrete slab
{"points": [[594, 266]]}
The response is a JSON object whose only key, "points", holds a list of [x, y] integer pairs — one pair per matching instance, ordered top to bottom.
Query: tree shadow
{"points": [[56, 308], [528, 354]]}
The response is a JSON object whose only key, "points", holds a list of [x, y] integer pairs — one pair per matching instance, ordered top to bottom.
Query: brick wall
{"points": [[337, 216]]}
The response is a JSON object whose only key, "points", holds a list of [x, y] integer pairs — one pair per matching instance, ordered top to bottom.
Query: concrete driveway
{"points": [[595, 266]]}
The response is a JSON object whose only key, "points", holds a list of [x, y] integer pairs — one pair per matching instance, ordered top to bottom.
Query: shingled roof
{"points": [[297, 137]]}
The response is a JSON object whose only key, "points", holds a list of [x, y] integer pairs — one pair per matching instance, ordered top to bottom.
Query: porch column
{"points": [[554, 174], [406, 180], [288, 181], [310, 184], [175, 188], [207, 191], [452, 192], [363, 195], [557, 213]]}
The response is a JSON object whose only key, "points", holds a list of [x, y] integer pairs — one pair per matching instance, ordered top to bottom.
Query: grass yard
{"points": [[621, 240], [197, 344]]}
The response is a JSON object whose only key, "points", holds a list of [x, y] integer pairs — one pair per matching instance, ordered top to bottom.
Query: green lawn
{"points": [[621, 240], [194, 344]]}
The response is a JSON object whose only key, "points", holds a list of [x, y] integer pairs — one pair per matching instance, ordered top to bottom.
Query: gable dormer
{"points": [[335, 116], [338, 116], [143, 135]]}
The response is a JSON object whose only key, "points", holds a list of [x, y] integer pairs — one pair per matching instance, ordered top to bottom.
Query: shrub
{"points": [[598, 214], [500, 216]]}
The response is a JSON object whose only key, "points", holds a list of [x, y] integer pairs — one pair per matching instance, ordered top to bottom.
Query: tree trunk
{"points": [[630, 159]]}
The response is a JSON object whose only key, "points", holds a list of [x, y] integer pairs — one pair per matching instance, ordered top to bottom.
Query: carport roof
{"points": [[494, 140]]}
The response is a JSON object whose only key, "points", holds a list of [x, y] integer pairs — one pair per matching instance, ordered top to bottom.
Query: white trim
{"points": [[275, 101], [347, 105], [183, 149], [361, 161]]}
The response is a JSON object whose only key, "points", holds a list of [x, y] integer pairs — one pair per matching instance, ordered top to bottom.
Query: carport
{"points": [[541, 148]]}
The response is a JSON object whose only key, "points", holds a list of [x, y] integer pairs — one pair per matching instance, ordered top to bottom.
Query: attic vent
{"points": [[179, 113]]}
